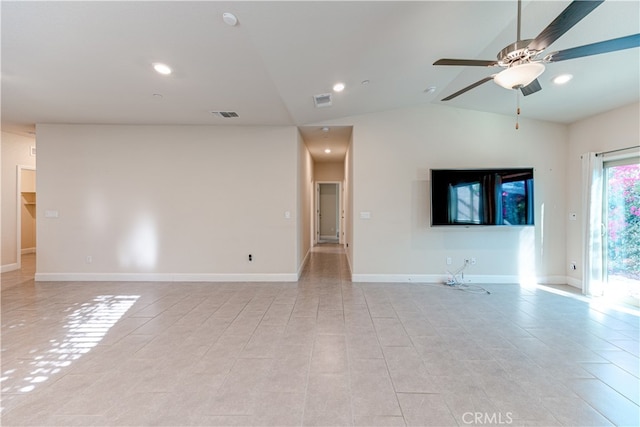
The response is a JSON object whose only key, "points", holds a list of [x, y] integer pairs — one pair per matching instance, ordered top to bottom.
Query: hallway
{"points": [[321, 351]]}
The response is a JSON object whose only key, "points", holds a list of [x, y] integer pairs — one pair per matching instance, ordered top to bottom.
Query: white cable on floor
{"points": [[460, 285]]}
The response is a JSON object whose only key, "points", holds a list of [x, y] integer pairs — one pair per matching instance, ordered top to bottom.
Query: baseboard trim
{"points": [[302, 264], [9, 267], [164, 277], [285, 277], [398, 278], [468, 278], [553, 280], [576, 283]]}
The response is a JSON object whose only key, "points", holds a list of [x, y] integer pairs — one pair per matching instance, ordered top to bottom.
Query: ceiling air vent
{"points": [[322, 100], [225, 114]]}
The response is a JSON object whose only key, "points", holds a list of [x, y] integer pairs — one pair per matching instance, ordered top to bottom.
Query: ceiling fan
{"points": [[522, 60]]}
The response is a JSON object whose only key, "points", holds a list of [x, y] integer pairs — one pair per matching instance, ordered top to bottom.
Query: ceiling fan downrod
{"points": [[519, 20]]}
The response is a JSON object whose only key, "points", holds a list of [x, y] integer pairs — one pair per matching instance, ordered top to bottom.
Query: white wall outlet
{"points": [[88, 259], [449, 260], [473, 261], [573, 265]]}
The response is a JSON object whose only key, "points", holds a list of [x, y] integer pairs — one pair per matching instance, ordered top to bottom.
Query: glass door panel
{"points": [[622, 225]]}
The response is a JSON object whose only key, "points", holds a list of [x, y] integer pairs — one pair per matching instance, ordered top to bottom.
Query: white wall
{"points": [[613, 130], [15, 150], [393, 153], [329, 171], [204, 196], [167, 202], [305, 202], [348, 204]]}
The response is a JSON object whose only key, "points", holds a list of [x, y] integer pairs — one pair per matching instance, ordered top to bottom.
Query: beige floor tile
{"points": [[320, 351], [329, 355], [372, 392], [328, 401], [425, 410], [379, 421]]}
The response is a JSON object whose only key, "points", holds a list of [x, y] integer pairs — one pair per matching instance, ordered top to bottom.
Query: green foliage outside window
{"points": [[623, 221]]}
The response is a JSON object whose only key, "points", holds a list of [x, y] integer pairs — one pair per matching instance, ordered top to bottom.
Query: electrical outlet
{"points": [[250, 257], [89, 259], [449, 260], [473, 261], [572, 265]]}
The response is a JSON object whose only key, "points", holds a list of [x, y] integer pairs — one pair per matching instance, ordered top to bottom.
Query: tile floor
{"points": [[322, 351]]}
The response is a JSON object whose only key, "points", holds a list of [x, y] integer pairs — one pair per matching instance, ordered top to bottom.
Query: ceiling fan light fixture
{"points": [[520, 75]]}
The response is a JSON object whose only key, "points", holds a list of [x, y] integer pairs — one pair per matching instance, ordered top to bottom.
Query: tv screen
{"points": [[482, 197]]}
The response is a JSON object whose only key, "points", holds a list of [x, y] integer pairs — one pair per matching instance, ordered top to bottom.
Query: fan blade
{"points": [[569, 17], [606, 46], [471, 62], [532, 87], [468, 88]]}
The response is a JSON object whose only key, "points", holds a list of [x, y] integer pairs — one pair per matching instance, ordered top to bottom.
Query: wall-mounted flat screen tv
{"points": [[470, 197]]}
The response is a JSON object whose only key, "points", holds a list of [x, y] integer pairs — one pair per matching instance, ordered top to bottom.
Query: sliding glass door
{"points": [[621, 218]]}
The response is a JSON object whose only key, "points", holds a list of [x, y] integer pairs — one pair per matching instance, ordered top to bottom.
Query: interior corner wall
{"points": [[616, 129], [15, 151], [393, 154], [174, 203], [305, 203], [348, 203]]}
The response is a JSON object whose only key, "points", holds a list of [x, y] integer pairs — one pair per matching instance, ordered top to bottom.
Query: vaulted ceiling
{"points": [[91, 62]]}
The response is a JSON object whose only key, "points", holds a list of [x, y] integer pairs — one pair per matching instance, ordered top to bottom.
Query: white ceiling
{"points": [[90, 62]]}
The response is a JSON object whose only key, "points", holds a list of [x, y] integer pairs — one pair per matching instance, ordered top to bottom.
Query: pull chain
{"points": [[517, 110]]}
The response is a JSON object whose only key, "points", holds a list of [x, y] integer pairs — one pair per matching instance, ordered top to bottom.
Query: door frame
{"points": [[19, 169], [339, 212]]}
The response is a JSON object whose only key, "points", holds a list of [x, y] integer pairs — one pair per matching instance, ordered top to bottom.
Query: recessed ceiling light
{"points": [[229, 19], [161, 68], [562, 79], [338, 87], [327, 150]]}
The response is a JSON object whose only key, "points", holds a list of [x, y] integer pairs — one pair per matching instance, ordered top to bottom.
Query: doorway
{"points": [[26, 212], [328, 212], [621, 219]]}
